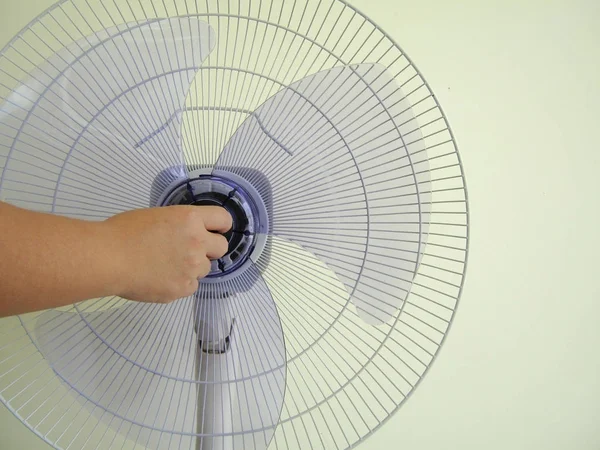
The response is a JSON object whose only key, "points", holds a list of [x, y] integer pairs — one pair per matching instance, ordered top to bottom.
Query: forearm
{"points": [[48, 261]]}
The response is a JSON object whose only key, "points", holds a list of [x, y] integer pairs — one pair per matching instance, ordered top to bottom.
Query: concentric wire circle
{"points": [[317, 109]]}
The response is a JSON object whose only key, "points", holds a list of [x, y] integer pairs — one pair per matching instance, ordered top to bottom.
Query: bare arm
{"points": [[155, 255]]}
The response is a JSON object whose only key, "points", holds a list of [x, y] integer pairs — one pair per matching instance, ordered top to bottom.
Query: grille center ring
{"points": [[215, 190]]}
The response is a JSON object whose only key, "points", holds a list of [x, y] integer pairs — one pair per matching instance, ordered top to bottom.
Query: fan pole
{"points": [[214, 366]]}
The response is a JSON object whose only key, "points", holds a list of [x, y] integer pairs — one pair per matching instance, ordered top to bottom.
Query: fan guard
{"points": [[346, 179]]}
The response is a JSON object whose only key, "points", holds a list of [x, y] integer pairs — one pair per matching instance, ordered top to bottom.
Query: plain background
{"points": [[520, 83]]}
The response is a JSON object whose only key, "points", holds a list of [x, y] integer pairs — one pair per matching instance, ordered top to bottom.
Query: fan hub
{"points": [[211, 190]]}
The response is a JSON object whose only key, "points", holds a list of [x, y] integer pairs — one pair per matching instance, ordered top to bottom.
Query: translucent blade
{"points": [[98, 121], [349, 177], [126, 366], [156, 375]]}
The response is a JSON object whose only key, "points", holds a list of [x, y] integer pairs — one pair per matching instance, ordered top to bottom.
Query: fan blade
{"points": [[98, 121], [350, 178], [212, 365], [130, 366]]}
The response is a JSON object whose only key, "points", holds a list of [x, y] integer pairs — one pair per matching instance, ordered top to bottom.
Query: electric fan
{"points": [[348, 252]]}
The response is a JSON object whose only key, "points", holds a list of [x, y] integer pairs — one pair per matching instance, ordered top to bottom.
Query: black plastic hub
{"points": [[208, 190]]}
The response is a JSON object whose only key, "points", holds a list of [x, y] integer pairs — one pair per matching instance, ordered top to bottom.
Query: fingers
{"points": [[216, 219], [216, 246], [203, 269], [191, 288]]}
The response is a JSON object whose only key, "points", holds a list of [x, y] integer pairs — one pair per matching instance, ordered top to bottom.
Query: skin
{"points": [[150, 255]]}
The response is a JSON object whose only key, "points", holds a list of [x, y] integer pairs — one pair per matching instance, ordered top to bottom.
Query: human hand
{"points": [[161, 253]]}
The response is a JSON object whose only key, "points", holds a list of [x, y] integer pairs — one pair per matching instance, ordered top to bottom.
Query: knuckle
{"points": [[184, 213], [190, 218], [227, 218], [203, 238], [195, 242], [223, 245], [190, 259], [204, 268], [191, 288]]}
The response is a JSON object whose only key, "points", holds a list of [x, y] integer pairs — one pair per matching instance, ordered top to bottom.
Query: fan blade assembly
{"points": [[349, 174]]}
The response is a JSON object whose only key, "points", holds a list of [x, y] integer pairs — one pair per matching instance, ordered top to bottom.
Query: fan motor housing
{"points": [[205, 186]]}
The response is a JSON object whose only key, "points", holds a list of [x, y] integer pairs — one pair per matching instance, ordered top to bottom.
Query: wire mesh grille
{"points": [[331, 330]]}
